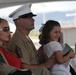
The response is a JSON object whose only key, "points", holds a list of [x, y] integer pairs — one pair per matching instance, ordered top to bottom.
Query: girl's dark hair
{"points": [[48, 26]]}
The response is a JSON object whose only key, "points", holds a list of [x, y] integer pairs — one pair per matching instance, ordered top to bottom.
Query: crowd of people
{"points": [[47, 60]]}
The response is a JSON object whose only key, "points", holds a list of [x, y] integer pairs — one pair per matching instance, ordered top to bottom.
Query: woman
{"points": [[12, 59]]}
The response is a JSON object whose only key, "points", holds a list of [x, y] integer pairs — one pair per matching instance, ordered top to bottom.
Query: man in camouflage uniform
{"points": [[23, 46]]}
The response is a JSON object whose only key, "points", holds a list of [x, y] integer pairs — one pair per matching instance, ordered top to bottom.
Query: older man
{"points": [[22, 45]]}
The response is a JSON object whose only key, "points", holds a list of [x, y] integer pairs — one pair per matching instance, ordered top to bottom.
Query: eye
{"points": [[5, 29], [56, 31]]}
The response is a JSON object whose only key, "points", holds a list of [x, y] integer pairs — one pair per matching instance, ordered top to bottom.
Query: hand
{"points": [[72, 54]]}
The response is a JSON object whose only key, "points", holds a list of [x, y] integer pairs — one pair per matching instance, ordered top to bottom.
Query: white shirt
{"points": [[49, 49]]}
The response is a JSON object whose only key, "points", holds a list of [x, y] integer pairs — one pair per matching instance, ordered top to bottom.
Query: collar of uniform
{"points": [[20, 35], [28, 38]]}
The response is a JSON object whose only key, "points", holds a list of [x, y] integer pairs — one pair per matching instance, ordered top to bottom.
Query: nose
{"points": [[9, 33]]}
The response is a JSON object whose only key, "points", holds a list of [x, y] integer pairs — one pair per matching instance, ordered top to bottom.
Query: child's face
{"points": [[55, 33]]}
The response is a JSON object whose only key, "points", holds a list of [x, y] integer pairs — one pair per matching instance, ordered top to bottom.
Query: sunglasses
{"points": [[5, 29]]}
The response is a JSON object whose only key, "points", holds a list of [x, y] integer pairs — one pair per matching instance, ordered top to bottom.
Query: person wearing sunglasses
{"points": [[4, 36], [4, 39], [23, 46], [9, 61]]}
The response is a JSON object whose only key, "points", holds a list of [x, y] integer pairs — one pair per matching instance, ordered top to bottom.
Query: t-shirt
{"points": [[49, 49]]}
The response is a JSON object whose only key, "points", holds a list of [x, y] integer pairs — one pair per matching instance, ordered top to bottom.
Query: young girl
{"points": [[49, 39]]}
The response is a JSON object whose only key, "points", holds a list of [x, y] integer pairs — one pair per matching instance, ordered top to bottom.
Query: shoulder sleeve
{"points": [[18, 46], [56, 46], [22, 52]]}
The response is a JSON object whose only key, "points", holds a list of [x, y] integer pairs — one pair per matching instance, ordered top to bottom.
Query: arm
{"points": [[56, 46], [41, 55], [61, 59], [49, 63]]}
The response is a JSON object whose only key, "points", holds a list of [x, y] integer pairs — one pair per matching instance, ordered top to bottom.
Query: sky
{"points": [[54, 6], [42, 7]]}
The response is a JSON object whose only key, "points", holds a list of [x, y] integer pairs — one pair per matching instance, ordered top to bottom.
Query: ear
{"points": [[19, 21]]}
